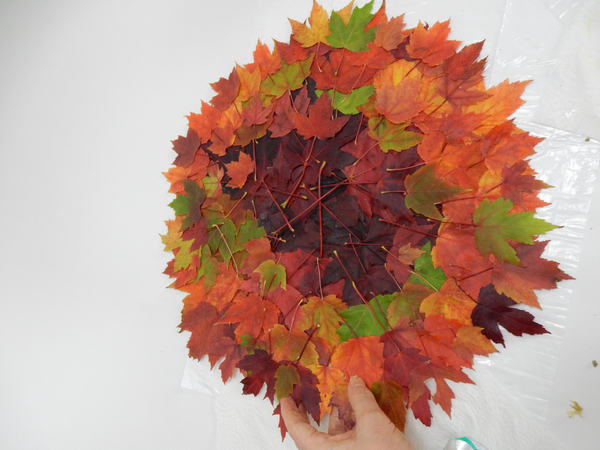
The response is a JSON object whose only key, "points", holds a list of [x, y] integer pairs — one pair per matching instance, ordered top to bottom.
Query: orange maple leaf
{"points": [[430, 45], [399, 103], [239, 170], [450, 302], [253, 314], [362, 356]]}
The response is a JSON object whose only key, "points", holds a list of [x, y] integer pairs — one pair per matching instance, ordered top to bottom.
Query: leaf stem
{"points": [[279, 208], [408, 228], [228, 248]]}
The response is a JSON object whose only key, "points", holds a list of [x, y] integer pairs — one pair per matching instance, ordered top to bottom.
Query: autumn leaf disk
{"points": [[355, 201]]}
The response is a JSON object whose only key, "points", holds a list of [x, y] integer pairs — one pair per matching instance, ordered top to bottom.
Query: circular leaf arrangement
{"points": [[355, 202]]}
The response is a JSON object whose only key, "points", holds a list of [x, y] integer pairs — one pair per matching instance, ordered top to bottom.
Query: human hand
{"points": [[373, 429]]}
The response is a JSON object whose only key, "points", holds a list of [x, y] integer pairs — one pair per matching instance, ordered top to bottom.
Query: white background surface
{"points": [[91, 94]]}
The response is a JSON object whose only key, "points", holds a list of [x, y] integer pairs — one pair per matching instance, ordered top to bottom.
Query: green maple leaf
{"points": [[352, 36], [289, 77], [347, 103], [392, 136], [424, 190], [189, 204], [494, 226], [248, 230], [226, 234], [184, 256], [209, 268], [425, 273], [272, 275], [407, 302], [360, 321], [285, 379]]}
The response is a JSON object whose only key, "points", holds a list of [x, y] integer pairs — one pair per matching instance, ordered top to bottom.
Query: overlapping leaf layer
{"points": [[356, 202]]}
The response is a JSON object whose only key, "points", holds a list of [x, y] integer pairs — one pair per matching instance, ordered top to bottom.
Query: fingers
{"points": [[362, 400], [298, 425], [336, 425]]}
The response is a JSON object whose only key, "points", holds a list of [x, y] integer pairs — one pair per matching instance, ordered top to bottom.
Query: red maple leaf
{"points": [[319, 122], [495, 309]]}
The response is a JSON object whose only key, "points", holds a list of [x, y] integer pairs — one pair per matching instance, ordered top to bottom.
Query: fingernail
{"points": [[355, 380]]}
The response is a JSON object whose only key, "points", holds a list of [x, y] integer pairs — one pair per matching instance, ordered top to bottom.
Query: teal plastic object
{"points": [[463, 443]]}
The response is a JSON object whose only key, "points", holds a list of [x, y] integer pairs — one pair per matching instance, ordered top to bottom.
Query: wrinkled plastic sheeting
{"points": [[522, 42]]}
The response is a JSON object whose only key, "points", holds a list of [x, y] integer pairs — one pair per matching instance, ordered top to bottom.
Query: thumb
{"points": [[362, 400]]}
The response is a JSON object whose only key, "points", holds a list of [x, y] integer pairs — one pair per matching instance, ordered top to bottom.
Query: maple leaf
{"points": [[318, 30], [389, 34], [352, 35], [430, 45], [292, 52], [374, 58], [266, 61], [335, 71], [289, 78], [249, 83], [227, 90], [504, 99], [347, 103], [400, 103], [256, 114], [283, 122], [319, 123], [204, 124], [391, 136], [504, 145], [186, 147], [239, 170], [519, 179], [424, 190], [189, 205], [494, 226], [196, 233], [259, 250], [407, 254], [535, 272], [426, 273], [272, 275], [224, 288], [449, 302], [407, 303], [495, 309], [253, 314], [322, 315], [365, 320], [470, 341], [292, 346], [362, 356], [261, 370], [440, 373], [286, 377], [330, 381], [307, 392], [390, 398]]}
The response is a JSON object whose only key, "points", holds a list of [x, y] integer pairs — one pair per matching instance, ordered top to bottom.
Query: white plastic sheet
{"points": [[507, 407]]}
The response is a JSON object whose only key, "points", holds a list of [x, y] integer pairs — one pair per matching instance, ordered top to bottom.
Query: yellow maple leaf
{"points": [[318, 30]]}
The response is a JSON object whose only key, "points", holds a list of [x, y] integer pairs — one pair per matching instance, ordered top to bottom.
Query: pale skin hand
{"points": [[373, 430]]}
